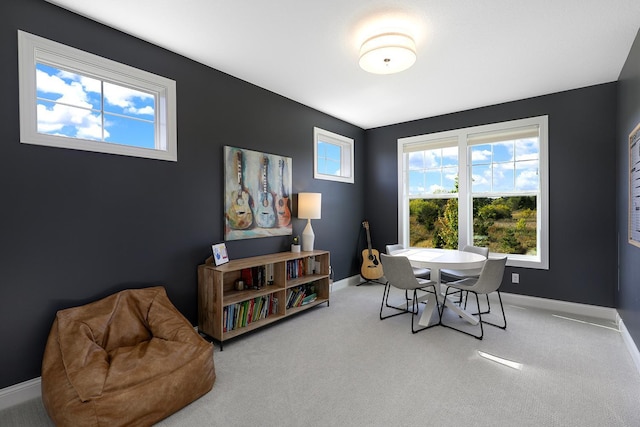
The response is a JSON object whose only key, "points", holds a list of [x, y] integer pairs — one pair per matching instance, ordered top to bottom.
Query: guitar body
{"points": [[282, 201], [265, 211], [240, 213], [284, 213], [371, 267]]}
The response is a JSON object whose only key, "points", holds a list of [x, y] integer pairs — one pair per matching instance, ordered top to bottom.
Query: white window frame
{"points": [[34, 49], [346, 155], [465, 211]]}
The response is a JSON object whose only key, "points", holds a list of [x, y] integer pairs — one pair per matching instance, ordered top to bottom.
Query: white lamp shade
{"points": [[387, 53], [309, 205]]}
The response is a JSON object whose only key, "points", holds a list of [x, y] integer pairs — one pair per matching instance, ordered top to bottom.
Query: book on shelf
{"points": [[311, 265], [296, 268], [269, 274], [309, 298], [244, 313]]}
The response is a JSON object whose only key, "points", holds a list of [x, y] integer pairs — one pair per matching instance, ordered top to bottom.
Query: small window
{"points": [[74, 99], [333, 155]]}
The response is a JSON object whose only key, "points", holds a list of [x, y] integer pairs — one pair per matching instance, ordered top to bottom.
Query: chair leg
{"points": [[385, 302], [488, 306], [415, 313], [504, 318], [480, 322]]}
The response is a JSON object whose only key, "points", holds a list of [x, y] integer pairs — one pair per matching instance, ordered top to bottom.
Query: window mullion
{"points": [[464, 188]]}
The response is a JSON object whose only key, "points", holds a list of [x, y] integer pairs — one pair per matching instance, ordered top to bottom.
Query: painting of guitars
{"points": [[282, 201], [256, 204], [265, 210], [240, 213], [371, 267]]}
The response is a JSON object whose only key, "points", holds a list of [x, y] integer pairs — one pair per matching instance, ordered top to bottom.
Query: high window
{"points": [[74, 99], [333, 155], [484, 186]]}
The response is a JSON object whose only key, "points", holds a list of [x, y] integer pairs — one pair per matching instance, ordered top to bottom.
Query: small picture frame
{"points": [[220, 253]]}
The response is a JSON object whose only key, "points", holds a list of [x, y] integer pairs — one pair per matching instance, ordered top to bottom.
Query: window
{"points": [[74, 99], [333, 155], [485, 185]]}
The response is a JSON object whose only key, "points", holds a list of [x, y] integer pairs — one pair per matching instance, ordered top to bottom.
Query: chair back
{"points": [[391, 248], [477, 250], [398, 271], [490, 276]]}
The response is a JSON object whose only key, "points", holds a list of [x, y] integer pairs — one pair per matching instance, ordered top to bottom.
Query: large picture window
{"points": [[74, 99], [485, 186]]}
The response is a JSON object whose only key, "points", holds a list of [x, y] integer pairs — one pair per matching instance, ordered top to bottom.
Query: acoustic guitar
{"points": [[282, 201], [265, 211], [240, 213], [371, 267]]}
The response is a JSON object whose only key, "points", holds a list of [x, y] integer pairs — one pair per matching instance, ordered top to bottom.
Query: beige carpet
{"points": [[342, 366]]}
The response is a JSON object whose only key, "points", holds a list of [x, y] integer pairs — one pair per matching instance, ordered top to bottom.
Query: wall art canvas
{"points": [[634, 186], [257, 189]]}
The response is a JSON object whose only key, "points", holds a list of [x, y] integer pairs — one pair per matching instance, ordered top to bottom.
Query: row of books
{"points": [[300, 267], [257, 277], [301, 295], [246, 312]]}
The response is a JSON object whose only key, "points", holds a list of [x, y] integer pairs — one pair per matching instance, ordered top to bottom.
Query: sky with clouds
{"points": [[78, 106], [508, 166]]}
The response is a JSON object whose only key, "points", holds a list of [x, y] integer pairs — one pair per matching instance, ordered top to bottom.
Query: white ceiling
{"points": [[471, 53]]}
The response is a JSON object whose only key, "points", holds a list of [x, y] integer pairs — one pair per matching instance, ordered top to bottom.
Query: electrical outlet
{"points": [[515, 278]]}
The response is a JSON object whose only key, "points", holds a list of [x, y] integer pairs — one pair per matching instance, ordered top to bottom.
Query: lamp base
{"points": [[308, 237]]}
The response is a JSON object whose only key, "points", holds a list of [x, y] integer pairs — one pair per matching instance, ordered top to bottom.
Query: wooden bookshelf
{"points": [[225, 312]]}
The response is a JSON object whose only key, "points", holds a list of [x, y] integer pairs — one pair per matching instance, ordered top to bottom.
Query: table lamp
{"points": [[309, 207]]}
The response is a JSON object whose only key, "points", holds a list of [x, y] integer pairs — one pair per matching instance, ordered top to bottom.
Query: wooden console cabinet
{"points": [[278, 285]]}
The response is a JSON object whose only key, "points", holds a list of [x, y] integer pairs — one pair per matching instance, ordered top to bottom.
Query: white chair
{"points": [[423, 273], [399, 274], [447, 275], [489, 281]]}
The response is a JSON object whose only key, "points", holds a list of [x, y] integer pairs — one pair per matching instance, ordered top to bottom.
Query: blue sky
{"points": [[74, 105], [328, 158], [509, 166]]}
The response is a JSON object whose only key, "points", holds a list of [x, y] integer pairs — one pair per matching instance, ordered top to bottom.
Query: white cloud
{"points": [[72, 93], [125, 98], [85, 124], [480, 155], [481, 180], [527, 180]]}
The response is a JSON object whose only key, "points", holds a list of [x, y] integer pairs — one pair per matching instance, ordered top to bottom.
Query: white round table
{"points": [[435, 260]]}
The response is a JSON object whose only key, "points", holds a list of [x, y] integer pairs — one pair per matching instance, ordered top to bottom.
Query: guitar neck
{"points": [[366, 227]]}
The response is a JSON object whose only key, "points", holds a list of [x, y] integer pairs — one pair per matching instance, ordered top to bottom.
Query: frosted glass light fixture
{"points": [[387, 53], [309, 207]]}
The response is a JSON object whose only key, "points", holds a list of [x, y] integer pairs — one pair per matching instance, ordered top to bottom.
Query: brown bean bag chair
{"points": [[128, 359]]}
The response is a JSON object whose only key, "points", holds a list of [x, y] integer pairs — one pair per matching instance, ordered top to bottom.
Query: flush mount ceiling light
{"points": [[387, 53]]}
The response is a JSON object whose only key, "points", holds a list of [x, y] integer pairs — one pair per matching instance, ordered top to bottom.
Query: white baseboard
{"points": [[348, 281], [594, 311], [631, 345], [19, 393]]}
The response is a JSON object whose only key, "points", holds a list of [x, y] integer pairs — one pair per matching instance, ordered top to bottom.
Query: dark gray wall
{"points": [[582, 183], [76, 226], [628, 291]]}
